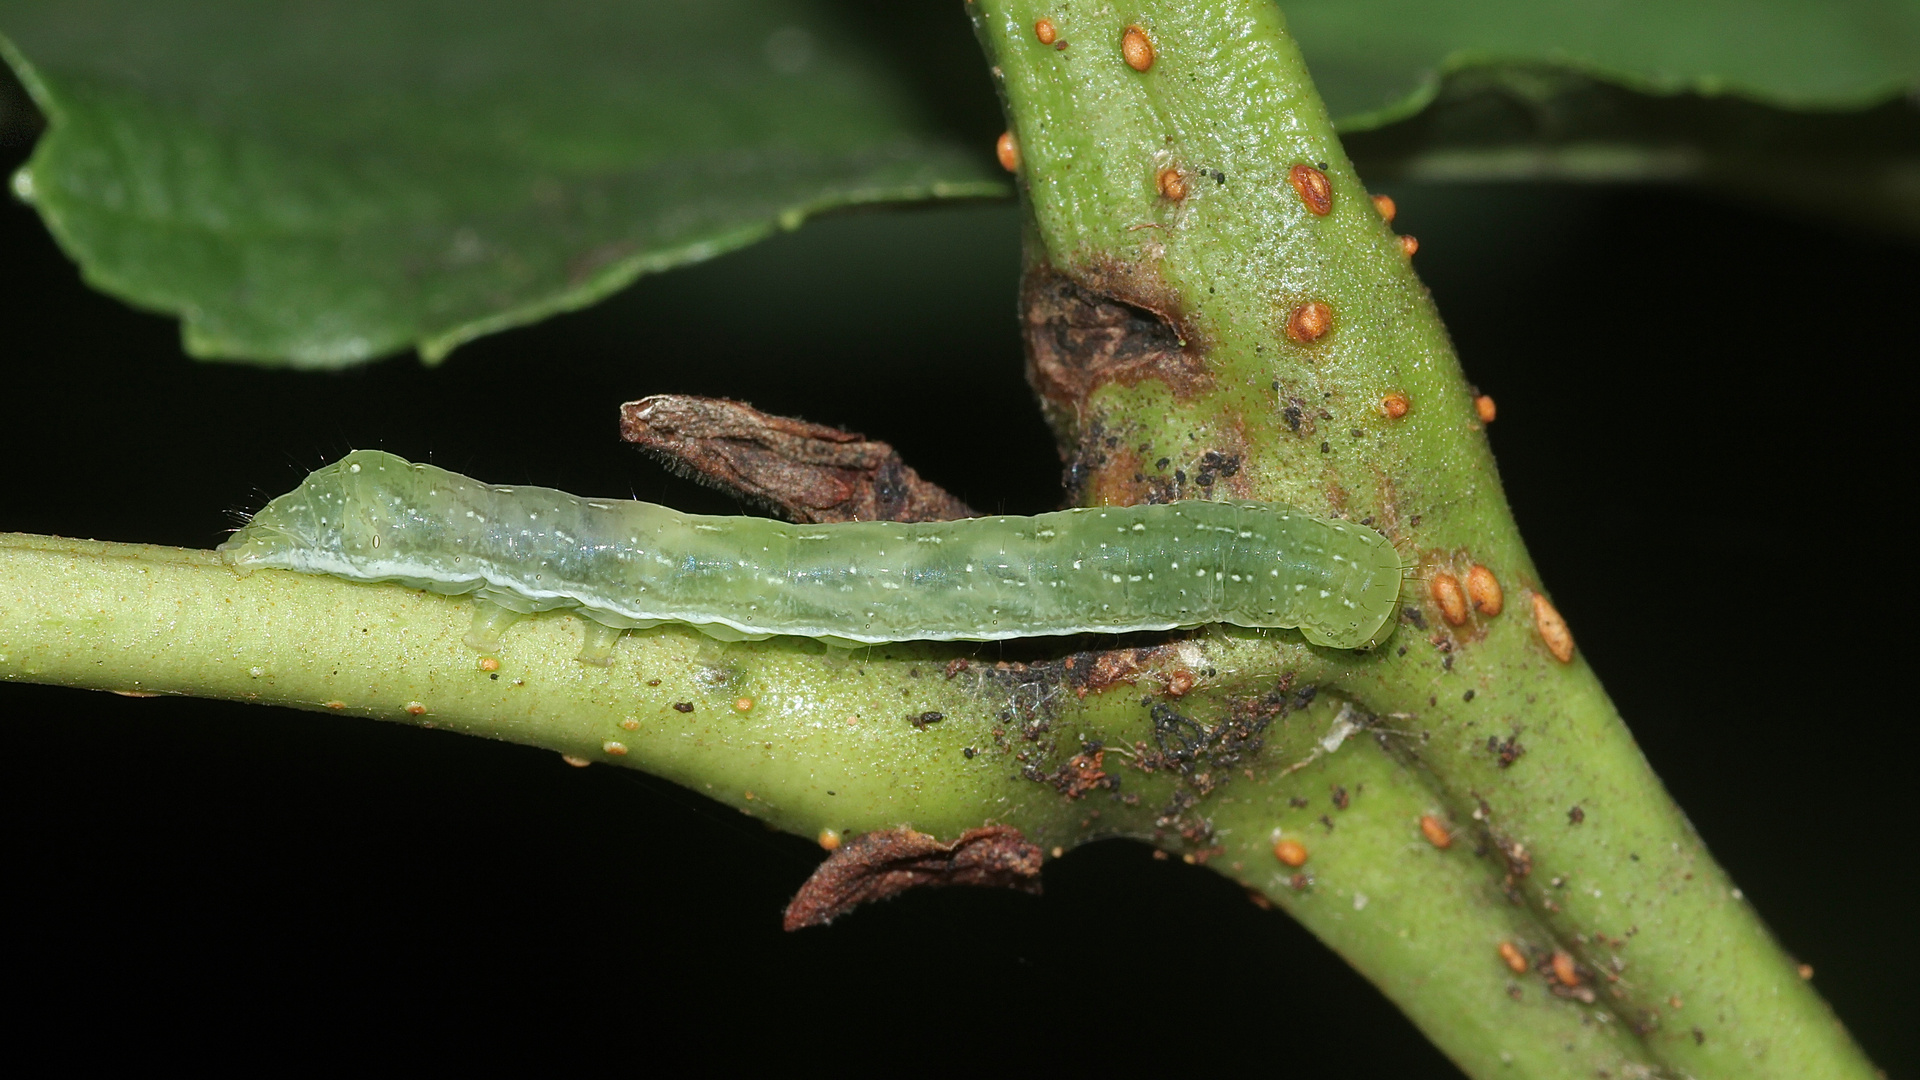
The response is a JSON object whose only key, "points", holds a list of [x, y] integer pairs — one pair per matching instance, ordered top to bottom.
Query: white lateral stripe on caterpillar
{"points": [[375, 517]]}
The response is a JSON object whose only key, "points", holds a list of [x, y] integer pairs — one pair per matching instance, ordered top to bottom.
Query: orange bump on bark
{"points": [[1045, 32], [1137, 47], [1008, 151], [1171, 183], [1314, 188], [1384, 204], [1409, 244], [1310, 321], [1395, 405], [1483, 408], [1445, 590], [1484, 590], [1553, 629], [488, 663], [1180, 682], [743, 704], [414, 708], [630, 724], [617, 749], [576, 762], [1435, 831], [828, 839], [1291, 852], [1516, 960], [1564, 968], [1806, 971]]}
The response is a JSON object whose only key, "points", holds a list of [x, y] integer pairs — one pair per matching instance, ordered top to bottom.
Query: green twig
{"points": [[1162, 202], [1309, 354]]}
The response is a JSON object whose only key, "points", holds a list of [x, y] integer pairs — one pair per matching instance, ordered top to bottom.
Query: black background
{"points": [[1700, 407]]}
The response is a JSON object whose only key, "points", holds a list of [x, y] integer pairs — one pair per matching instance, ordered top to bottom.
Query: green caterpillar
{"points": [[372, 516]]}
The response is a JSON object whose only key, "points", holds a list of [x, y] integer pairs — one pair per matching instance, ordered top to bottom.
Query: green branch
{"points": [[1176, 159], [819, 741], [1459, 800]]}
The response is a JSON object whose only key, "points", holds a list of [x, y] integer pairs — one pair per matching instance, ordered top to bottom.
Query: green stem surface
{"points": [[1214, 745], [1594, 849]]}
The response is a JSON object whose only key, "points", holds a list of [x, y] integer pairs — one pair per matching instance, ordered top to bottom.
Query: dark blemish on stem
{"points": [[1112, 324], [683, 706], [1506, 751]]}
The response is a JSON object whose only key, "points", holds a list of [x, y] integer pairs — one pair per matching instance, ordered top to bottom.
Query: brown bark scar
{"points": [[1089, 329], [808, 473], [887, 862]]}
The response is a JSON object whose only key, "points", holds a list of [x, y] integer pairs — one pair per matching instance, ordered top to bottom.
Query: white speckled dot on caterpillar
{"points": [[375, 517]]}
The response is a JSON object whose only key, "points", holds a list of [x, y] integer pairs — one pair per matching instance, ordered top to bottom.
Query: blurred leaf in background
{"points": [[1377, 61], [323, 183], [320, 184]]}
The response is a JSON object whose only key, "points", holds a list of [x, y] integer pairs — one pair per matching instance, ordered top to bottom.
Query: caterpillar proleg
{"points": [[375, 517]]}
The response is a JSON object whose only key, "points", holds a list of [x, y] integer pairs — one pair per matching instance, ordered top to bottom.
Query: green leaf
{"points": [[1376, 61], [1540, 123], [318, 184]]}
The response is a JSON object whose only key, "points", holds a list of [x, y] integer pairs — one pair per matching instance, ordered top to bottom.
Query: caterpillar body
{"points": [[375, 517]]}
